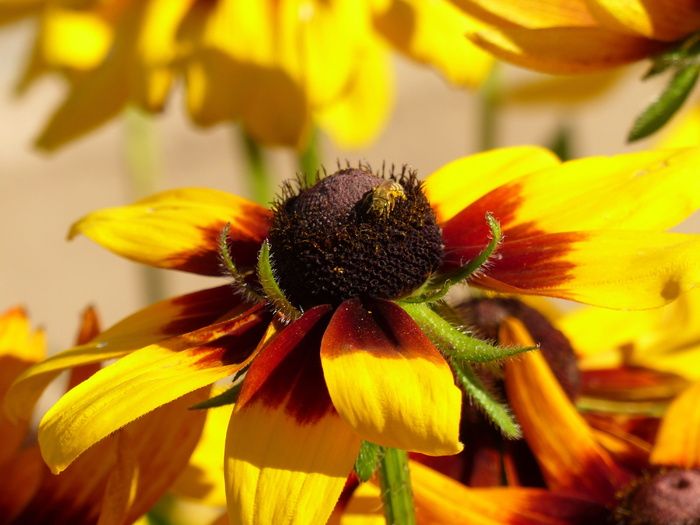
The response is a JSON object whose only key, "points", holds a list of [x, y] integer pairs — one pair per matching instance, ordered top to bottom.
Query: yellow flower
{"points": [[576, 36], [275, 67], [332, 347], [591, 475], [118, 479]]}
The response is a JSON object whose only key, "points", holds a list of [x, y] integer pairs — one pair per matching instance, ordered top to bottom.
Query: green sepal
{"points": [[677, 57], [665, 106], [238, 278], [438, 285], [274, 294], [453, 342], [227, 397], [497, 412], [367, 460]]}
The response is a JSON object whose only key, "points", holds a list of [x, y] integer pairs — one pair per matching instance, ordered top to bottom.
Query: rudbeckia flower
{"points": [[576, 36], [275, 67], [331, 334], [587, 479], [117, 480]]}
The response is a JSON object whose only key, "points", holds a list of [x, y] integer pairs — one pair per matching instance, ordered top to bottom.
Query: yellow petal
{"points": [[667, 20], [433, 33], [74, 39], [566, 50], [90, 103], [361, 112], [682, 132], [461, 182], [645, 190], [179, 229], [614, 269], [159, 321], [655, 338], [145, 380], [388, 381], [678, 440], [564, 445], [288, 452], [203, 478], [364, 508]]}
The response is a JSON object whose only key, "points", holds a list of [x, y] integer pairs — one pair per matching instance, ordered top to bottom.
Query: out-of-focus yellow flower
{"points": [[577, 36], [275, 67], [666, 339], [117, 480]]}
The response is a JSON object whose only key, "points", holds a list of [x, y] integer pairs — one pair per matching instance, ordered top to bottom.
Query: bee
{"points": [[382, 199]]}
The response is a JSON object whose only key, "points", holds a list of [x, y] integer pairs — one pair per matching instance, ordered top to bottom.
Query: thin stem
{"points": [[489, 104], [310, 160], [143, 167], [259, 176], [395, 482]]}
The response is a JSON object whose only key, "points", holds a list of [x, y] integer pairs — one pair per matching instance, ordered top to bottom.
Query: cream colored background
{"points": [[41, 195]]}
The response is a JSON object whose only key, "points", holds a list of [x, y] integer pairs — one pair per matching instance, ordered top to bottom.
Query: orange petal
{"points": [[533, 14], [667, 20], [564, 50], [180, 229], [154, 323], [20, 347], [145, 380], [388, 381], [678, 441], [565, 446], [288, 452], [22, 475], [442, 500]]}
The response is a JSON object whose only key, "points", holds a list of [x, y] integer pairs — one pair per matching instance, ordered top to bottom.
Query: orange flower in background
{"points": [[578, 36], [277, 68], [329, 335], [117, 480]]}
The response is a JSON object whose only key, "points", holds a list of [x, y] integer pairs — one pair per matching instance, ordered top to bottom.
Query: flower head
{"points": [[331, 336]]}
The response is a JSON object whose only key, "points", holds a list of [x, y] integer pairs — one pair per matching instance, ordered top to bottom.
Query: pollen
{"points": [[354, 234]]}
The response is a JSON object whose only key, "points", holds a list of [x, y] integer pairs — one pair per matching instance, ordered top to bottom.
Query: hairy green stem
{"points": [[143, 167], [395, 483]]}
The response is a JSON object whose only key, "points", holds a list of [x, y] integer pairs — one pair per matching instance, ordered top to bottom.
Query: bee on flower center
{"points": [[354, 234]]}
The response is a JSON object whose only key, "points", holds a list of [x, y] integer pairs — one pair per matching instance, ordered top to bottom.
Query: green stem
{"points": [[489, 104], [310, 160], [143, 167], [259, 178], [395, 482]]}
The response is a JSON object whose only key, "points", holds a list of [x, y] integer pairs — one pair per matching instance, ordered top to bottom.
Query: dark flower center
{"points": [[354, 234], [666, 497]]}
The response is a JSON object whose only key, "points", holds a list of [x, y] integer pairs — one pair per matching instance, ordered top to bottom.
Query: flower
{"points": [[578, 36], [275, 67], [664, 339], [348, 352], [591, 475], [118, 479]]}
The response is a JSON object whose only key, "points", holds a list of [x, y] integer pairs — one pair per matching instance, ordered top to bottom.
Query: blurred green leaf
{"points": [[664, 107]]}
